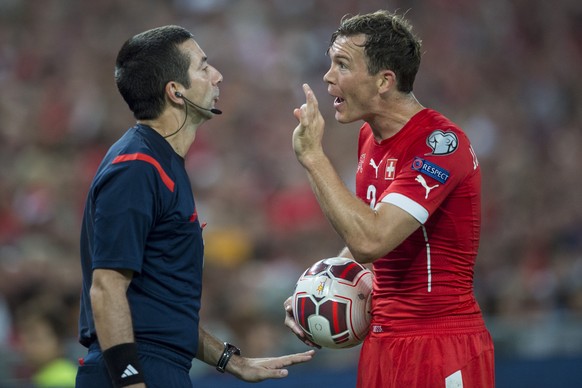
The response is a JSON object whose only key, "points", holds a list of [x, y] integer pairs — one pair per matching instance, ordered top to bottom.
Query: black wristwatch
{"points": [[229, 350]]}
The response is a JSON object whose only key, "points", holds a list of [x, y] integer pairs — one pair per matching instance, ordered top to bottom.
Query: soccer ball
{"points": [[332, 302]]}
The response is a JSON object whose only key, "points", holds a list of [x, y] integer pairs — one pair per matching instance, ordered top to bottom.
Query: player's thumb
{"points": [[297, 114]]}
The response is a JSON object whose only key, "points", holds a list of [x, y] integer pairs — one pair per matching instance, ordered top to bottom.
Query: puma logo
{"points": [[376, 166], [420, 179], [377, 329]]}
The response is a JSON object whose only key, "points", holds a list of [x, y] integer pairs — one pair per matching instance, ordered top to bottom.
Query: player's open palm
{"points": [[308, 134]]}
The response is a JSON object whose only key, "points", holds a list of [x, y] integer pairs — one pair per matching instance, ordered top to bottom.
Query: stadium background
{"points": [[507, 71]]}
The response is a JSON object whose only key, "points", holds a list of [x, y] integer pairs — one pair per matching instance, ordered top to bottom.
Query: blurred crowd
{"points": [[507, 71]]}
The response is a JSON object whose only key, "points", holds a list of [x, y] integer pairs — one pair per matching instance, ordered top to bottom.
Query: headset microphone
{"points": [[213, 110]]}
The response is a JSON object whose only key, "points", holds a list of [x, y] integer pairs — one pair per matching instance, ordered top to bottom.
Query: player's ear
{"points": [[386, 81]]}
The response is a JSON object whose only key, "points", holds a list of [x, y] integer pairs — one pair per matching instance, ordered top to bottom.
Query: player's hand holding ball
{"points": [[294, 326]]}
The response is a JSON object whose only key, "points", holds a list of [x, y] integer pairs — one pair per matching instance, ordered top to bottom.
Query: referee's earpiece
{"points": [[178, 94]]}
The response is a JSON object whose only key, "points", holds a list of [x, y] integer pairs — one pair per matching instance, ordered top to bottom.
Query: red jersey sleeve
{"points": [[433, 166]]}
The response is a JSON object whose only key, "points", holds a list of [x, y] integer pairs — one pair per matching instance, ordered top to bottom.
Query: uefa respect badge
{"points": [[430, 169]]}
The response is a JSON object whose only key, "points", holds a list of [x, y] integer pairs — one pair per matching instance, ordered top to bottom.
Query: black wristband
{"points": [[227, 353], [123, 364]]}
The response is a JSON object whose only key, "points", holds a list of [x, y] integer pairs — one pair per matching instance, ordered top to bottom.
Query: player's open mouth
{"points": [[338, 101]]}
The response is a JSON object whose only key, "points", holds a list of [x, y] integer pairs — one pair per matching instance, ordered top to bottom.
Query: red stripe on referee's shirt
{"points": [[146, 158]]}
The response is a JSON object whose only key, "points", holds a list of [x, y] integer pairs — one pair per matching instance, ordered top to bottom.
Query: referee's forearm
{"points": [[110, 307], [209, 347]]}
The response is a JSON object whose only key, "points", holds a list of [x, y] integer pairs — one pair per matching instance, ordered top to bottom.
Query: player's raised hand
{"points": [[308, 134], [295, 328], [259, 369]]}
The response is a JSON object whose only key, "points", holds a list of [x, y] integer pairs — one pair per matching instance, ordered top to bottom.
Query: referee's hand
{"points": [[259, 369]]}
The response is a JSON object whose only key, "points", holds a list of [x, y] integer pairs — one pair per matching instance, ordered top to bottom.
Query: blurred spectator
{"points": [[42, 330]]}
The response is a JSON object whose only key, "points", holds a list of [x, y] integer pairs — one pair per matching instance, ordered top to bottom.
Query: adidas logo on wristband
{"points": [[123, 354], [129, 371]]}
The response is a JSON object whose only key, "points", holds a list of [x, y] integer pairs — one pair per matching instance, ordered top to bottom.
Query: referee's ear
{"points": [[173, 93]]}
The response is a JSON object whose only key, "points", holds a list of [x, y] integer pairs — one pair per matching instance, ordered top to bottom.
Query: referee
{"points": [[141, 239]]}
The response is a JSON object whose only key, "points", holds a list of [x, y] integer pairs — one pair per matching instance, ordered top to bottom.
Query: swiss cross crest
{"points": [[390, 169]]}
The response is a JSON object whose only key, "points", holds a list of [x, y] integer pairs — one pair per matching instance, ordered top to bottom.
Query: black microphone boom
{"points": [[188, 102], [212, 110]]}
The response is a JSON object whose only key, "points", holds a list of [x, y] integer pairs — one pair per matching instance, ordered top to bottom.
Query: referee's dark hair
{"points": [[146, 63]]}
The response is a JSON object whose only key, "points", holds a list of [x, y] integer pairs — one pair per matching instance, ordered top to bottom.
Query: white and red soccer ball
{"points": [[332, 302]]}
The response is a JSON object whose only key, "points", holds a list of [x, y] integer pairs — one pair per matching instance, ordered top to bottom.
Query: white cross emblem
{"points": [[390, 169]]}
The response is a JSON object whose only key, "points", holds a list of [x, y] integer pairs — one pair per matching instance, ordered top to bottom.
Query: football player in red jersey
{"points": [[415, 214]]}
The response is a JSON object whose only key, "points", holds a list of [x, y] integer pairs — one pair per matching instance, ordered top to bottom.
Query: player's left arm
{"points": [[368, 233], [210, 350]]}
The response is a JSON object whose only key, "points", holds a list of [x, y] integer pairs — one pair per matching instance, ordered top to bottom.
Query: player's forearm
{"points": [[352, 219]]}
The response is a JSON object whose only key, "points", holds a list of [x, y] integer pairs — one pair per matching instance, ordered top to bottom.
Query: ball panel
{"points": [[317, 268], [347, 271], [305, 308], [336, 313], [320, 331], [343, 339]]}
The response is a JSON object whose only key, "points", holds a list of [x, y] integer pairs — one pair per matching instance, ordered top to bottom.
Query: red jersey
{"points": [[430, 170]]}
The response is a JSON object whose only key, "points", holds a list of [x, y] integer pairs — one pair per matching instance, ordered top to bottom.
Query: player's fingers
{"points": [[310, 98], [297, 114], [304, 118], [288, 306], [290, 323], [294, 326], [302, 337], [308, 342]]}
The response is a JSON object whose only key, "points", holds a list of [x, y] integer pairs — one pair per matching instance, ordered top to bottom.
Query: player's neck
{"points": [[394, 116]]}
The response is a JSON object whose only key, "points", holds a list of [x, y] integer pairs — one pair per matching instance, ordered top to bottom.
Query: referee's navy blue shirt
{"points": [[140, 215]]}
